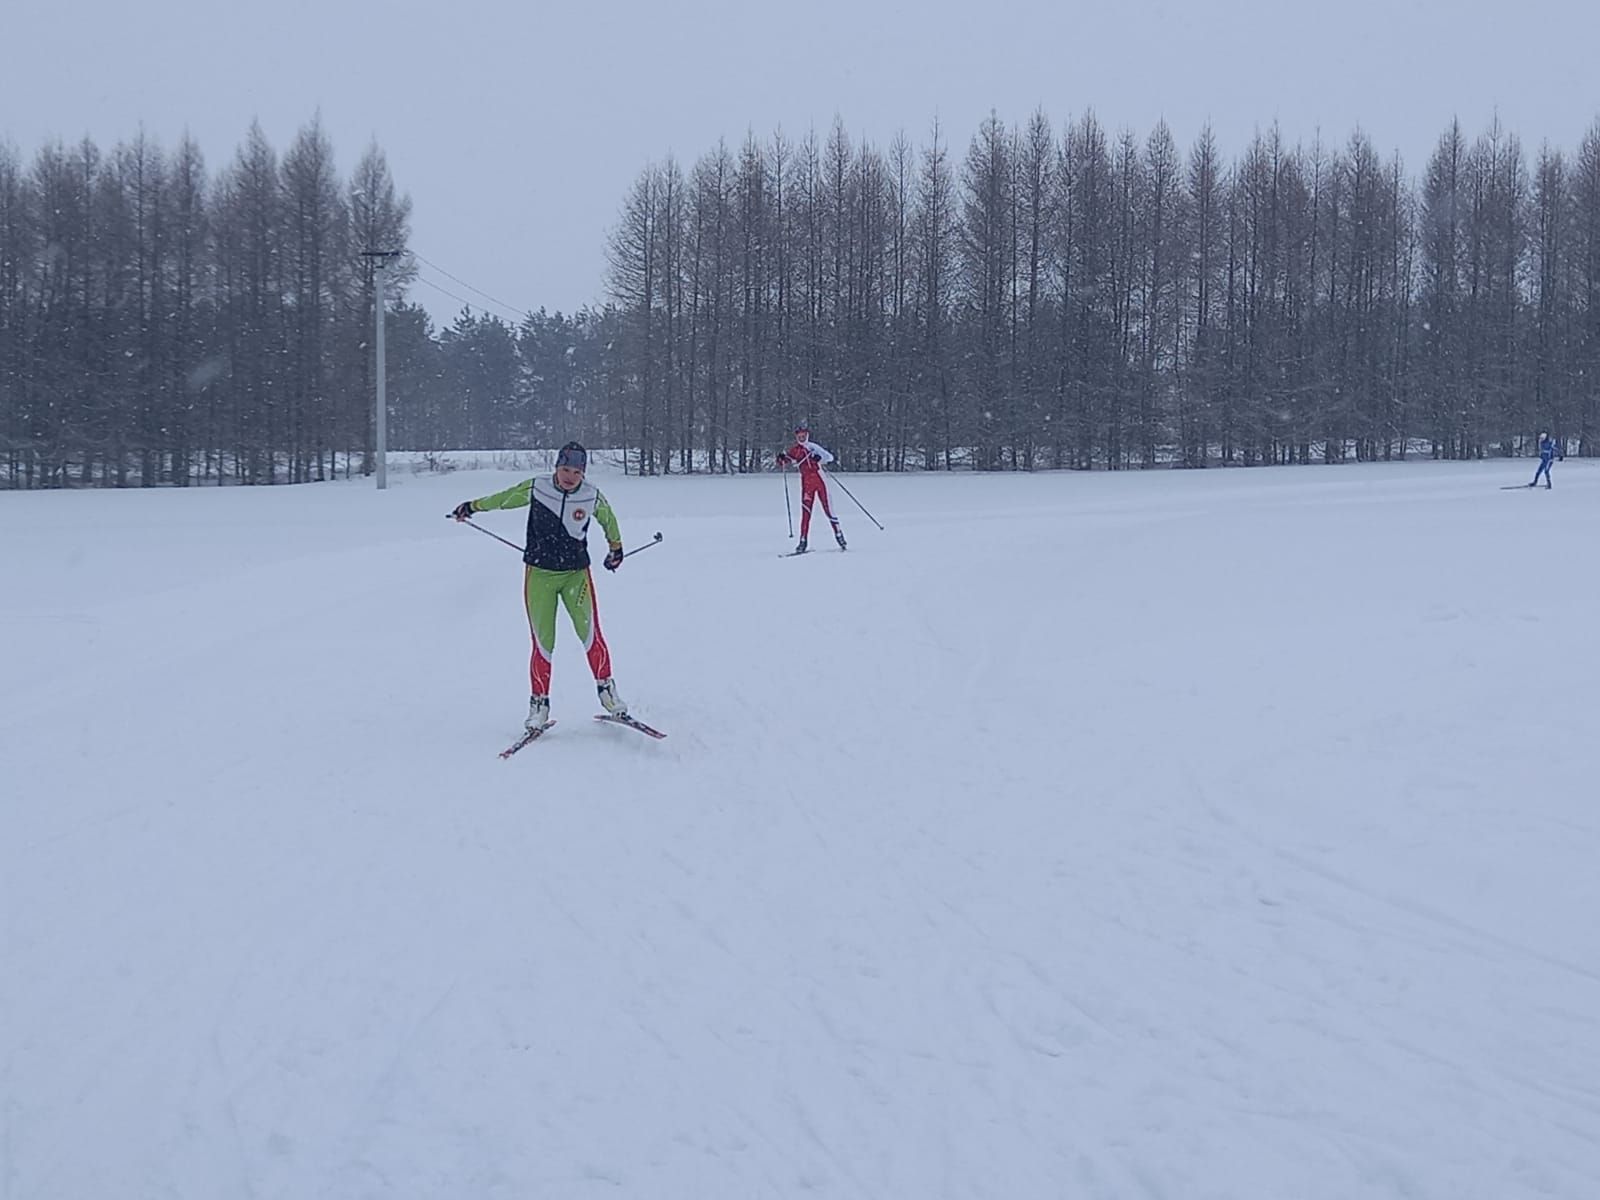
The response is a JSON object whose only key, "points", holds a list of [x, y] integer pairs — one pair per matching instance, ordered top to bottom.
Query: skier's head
{"points": [[802, 432], [572, 460]]}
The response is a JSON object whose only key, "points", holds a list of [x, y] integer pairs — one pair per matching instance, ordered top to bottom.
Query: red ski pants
{"points": [[812, 488]]}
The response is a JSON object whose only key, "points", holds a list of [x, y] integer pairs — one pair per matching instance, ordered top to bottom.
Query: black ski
{"points": [[798, 553], [631, 723], [528, 736]]}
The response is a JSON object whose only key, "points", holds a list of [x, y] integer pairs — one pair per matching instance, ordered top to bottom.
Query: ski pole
{"points": [[859, 505], [788, 509], [495, 536], [655, 541]]}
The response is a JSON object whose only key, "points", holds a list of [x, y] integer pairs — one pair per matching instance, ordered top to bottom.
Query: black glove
{"points": [[816, 458], [463, 510], [614, 559]]}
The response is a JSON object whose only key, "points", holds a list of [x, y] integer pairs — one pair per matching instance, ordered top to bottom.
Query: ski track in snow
{"points": [[1189, 836]]}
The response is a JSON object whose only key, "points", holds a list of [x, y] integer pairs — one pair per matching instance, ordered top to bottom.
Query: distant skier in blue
{"points": [[1549, 450]]}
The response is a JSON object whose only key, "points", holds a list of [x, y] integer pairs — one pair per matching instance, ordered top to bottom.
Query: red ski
{"points": [[631, 723], [530, 735]]}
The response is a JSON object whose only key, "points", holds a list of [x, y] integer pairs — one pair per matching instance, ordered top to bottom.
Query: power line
{"points": [[421, 278], [462, 300], [521, 312]]}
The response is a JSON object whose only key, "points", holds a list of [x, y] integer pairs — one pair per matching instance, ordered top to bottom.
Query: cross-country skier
{"points": [[1549, 449], [811, 458], [561, 505]]}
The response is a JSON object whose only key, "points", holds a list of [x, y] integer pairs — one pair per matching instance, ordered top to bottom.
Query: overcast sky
{"points": [[518, 127]]}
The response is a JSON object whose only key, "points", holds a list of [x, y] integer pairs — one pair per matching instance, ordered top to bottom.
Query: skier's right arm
{"points": [[516, 496]]}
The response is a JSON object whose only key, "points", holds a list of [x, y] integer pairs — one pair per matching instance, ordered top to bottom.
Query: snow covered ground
{"points": [[1184, 835]]}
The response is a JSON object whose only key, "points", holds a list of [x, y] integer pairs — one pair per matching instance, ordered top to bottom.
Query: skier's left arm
{"points": [[819, 454], [608, 522]]}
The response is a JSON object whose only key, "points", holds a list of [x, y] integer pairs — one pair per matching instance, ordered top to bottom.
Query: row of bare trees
{"points": [[1055, 298], [1079, 298], [159, 325]]}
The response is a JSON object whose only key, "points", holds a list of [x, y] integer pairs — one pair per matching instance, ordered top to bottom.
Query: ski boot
{"points": [[838, 535], [801, 548], [609, 700], [538, 713]]}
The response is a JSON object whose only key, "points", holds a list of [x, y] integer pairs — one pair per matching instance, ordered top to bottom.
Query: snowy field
{"points": [[1185, 836]]}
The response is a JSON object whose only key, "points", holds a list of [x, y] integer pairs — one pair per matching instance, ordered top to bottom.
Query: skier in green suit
{"points": [[560, 507]]}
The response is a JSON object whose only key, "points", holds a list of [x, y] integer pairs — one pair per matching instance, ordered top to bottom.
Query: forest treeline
{"points": [[1044, 298]]}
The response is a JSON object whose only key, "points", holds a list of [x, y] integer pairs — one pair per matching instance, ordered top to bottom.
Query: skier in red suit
{"points": [[810, 458]]}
